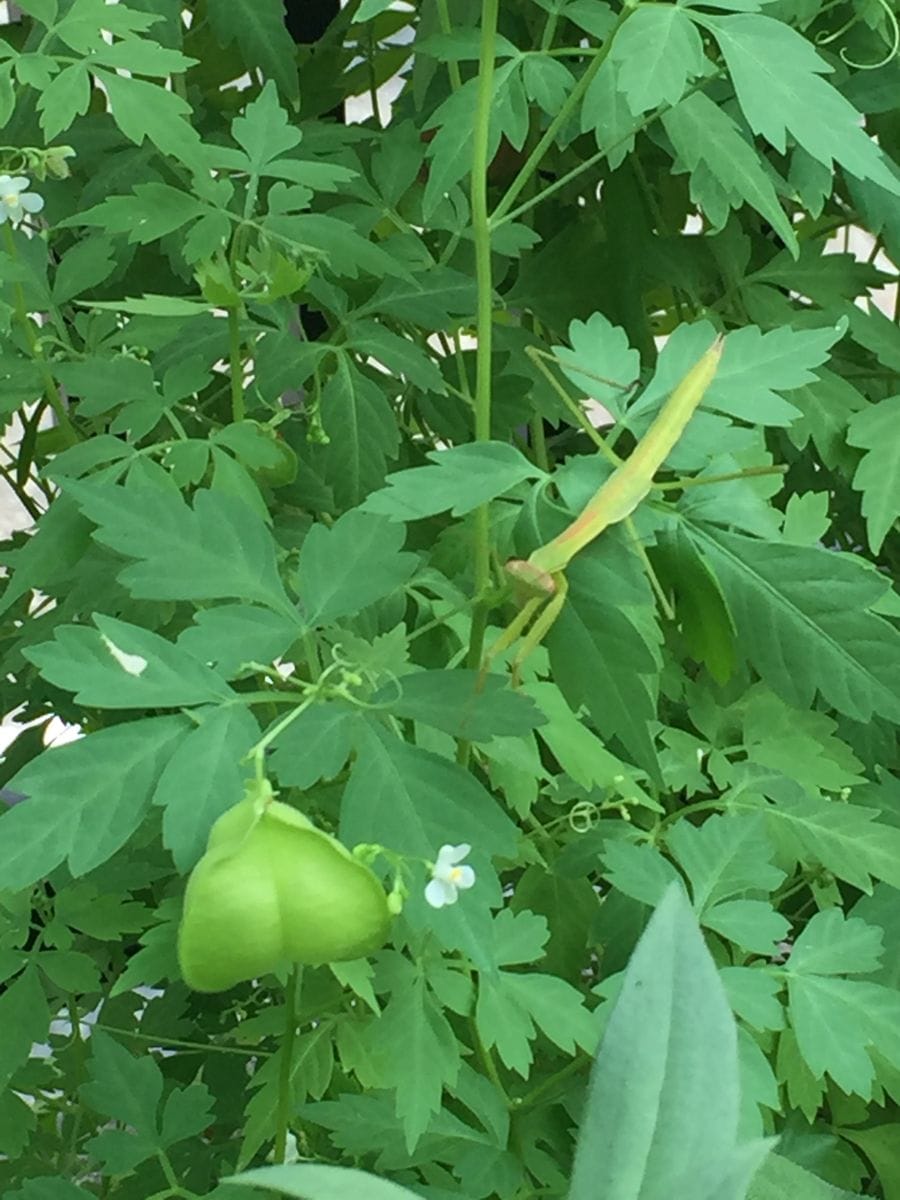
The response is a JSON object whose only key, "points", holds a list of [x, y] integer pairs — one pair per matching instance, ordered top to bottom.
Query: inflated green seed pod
{"points": [[273, 889]]}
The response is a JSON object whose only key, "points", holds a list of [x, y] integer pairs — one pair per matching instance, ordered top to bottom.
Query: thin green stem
{"points": [[443, 9], [373, 79], [571, 103], [594, 160], [481, 230], [236, 364], [50, 389], [539, 442], [702, 480], [24, 499], [179, 1044], [575, 1067], [285, 1075], [174, 1188]]}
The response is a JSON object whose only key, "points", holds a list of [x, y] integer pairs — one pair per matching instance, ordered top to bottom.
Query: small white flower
{"points": [[15, 202], [448, 877]]}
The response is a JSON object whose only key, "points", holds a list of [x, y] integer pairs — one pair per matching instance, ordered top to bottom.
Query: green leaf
{"points": [[257, 29], [658, 51], [777, 78], [67, 97], [146, 110], [605, 112], [709, 144], [152, 211], [399, 354], [601, 362], [103, 383], [359, 422], [878, 474], [461, 479], [219, 549], [345, 568], [801, 619], [229, 635], [604, 655], [119, 665], [454, 702], [316, 745], [580, 753], [204, 778], [397, 795], [85, 799], [847, 839], [724, 857], [640, 872], [754, 925], [833, 944], [753, 994], [511, 1008], [25, 1016], [839, 1023], [421, 1056], [123, 1087], [664, 1098], [881, 1145], [780, 1179], [309, 1181]]}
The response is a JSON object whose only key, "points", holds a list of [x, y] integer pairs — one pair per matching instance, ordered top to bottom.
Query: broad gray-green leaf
{"points": [[118, 665], [85, 799], [664, 1097], [315, 1181]]}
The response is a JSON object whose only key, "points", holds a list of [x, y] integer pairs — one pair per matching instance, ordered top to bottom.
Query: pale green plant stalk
{"points": [[481, 230]]}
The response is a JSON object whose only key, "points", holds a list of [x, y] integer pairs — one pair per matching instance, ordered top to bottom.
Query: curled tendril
{"points": [[824, 39], [583, 816]]}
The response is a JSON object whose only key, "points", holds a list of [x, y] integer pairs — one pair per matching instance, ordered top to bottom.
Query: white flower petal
{"points": [[31, 202], [458, 853], [445, 858], [463, 878], [438, 893]]}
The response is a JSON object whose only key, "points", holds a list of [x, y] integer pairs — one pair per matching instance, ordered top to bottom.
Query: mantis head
{"points": [[531, 579]]}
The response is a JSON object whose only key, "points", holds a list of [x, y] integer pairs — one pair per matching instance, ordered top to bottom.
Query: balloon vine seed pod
{"points": [[272, 889]]}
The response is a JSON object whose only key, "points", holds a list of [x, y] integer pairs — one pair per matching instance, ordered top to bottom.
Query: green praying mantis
{"points": [[541, 577]]}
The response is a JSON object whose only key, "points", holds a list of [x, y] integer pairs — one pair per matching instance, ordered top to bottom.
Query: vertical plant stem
{"points": [[443, 9], [481, 231], [236, 364], [50, 389], [285, 1090]]}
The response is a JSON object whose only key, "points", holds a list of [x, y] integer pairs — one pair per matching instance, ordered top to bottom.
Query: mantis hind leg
{"points": [[542, 625], [513, 630]]}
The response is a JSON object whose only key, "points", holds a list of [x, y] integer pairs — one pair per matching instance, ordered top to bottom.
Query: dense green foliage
{"points": [[265, 545]]}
